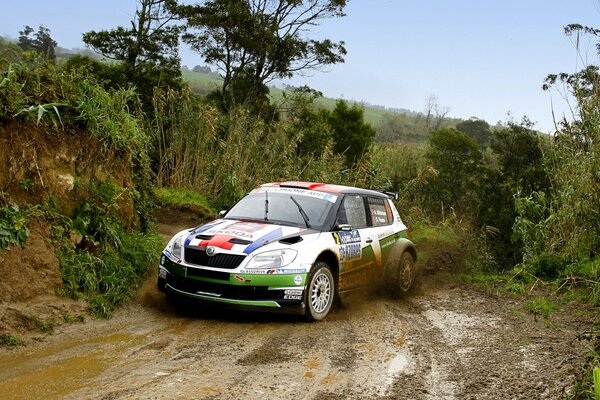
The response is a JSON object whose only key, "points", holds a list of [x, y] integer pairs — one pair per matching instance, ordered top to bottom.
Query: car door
{"points": [[357, 246]]}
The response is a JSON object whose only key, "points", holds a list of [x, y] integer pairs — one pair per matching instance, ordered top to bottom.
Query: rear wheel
{"points": [[406, 272], [320, 292]]}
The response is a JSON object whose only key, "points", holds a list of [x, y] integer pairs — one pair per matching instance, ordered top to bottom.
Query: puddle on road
{"points": [[55, 371]]}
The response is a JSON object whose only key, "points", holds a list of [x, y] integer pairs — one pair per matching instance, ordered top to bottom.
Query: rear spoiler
{"points": [[393, 195]]}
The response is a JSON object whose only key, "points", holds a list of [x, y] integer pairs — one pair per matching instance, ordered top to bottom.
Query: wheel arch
{"points": [[405, 245], [331, 259]]}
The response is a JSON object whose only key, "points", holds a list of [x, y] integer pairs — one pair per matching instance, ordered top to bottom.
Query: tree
{"points": [[152, 38], [41, 41], [253, 42], [147, 51], [435, 114], [477, 129], [352, 136], [457, 159]]}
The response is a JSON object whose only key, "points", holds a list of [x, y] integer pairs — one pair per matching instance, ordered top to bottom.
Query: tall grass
{"points": [[225, 156]]}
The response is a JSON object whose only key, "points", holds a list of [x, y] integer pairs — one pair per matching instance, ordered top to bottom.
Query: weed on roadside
{"points": [[540, 306], [9, 340]]}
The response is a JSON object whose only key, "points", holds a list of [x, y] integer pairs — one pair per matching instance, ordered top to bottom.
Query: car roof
{"points": [[325, 188]]}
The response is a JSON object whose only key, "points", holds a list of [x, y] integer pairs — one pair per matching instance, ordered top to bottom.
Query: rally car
{"points": [[292, 247]]}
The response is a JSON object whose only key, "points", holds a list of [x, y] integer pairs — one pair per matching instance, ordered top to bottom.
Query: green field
{"points": [[202, 83]]}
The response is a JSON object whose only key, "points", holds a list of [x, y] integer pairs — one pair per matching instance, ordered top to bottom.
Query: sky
{"points": [[485, 59]]}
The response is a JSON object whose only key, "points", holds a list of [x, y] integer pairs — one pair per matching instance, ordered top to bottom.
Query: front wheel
{"points": [[320, 292]]}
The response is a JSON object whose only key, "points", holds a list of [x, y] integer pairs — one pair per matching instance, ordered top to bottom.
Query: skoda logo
{"points": [[210, 251]]}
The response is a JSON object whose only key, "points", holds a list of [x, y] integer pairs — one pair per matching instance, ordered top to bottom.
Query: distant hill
{"points": [[203, 83]]}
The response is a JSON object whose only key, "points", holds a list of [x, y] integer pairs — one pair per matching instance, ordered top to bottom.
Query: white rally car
{"points": [[292, 247]]}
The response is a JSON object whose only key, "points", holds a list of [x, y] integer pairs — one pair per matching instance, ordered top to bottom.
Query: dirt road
{"points": [[451, 342]]}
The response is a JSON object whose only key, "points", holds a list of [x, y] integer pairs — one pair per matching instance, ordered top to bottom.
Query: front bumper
{"points": [[278, 292]]}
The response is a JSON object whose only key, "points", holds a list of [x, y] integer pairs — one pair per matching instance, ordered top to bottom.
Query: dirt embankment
{"points": [[40, 164]]}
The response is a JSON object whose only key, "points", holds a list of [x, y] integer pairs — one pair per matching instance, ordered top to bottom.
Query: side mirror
{"points": [[222, 213], [342, 228]]}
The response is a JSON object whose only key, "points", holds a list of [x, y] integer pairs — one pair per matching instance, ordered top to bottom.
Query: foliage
{"points": [[41, 41], [254, 42], [147, 52], [10, 53], [71, 96], [308, 122], [477, 129], [352, 136], [225, 156], [456, 159], [184, 198], [13, 226], [108, 262], [540, 306], [45, 326], [9, 340]]}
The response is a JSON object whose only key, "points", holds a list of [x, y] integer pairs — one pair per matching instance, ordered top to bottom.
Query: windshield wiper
{"points": [[266, 205], [304, 216]]}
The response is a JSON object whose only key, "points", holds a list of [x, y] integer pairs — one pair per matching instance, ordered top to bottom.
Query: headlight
{"points": [[177, 248], [273, 259]]}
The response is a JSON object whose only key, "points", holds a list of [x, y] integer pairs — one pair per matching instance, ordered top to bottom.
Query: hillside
{"points": [[203, 83]]}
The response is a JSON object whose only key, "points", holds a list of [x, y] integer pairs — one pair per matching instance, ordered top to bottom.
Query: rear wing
{"points": [[393, 195]]}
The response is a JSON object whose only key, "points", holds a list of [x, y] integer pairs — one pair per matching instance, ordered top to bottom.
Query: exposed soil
{"points": [[29, 307], [448, 341]]}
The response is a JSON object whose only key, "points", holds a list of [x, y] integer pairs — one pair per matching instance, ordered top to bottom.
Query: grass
{"points": [[184, 199], [107, 279], [540, 306], [71, 319], [45, 326], [9, 340]]}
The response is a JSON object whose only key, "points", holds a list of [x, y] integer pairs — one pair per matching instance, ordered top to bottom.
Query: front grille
{"points": [[199, 257], [205, 273]]}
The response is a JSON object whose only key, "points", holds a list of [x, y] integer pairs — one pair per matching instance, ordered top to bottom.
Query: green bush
{"points": [[13, 226]]}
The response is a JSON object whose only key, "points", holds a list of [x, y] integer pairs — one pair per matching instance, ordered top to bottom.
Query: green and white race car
{"points": [[292, 247]]}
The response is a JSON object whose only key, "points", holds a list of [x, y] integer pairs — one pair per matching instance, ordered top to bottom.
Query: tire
{"points": [[405, 275], [320, 292]]}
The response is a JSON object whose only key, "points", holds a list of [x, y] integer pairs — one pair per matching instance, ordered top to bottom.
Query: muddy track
{"points": [[448, 342]]}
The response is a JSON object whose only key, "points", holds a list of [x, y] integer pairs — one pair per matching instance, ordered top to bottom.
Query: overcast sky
{"points": [[480, 58]]}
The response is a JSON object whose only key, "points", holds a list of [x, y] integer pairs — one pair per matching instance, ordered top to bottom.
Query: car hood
{"points": [[240, 236]]}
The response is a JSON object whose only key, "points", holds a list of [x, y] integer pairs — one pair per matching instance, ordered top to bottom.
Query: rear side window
{"points": [[379, 211], [352, 212]]}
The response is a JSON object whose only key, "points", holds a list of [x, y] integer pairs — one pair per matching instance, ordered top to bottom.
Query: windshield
{"points": [[283, 206]]}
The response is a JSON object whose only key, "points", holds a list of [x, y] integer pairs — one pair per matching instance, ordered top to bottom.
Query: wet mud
{"points": [[450, 342]]}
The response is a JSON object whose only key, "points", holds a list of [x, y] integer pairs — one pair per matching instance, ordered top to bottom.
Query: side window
{"points": [[380, 211], [352, 212]]}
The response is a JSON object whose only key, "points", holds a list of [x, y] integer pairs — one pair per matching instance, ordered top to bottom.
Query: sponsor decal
{"points": [[301, 192], [384, 234], [346, 237], [350, 252], [273, 271], [290, 271], [162, 273], [239, 278], [355, 278], [298, 280], [293, 292], [208, 293], [291, 297]]}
